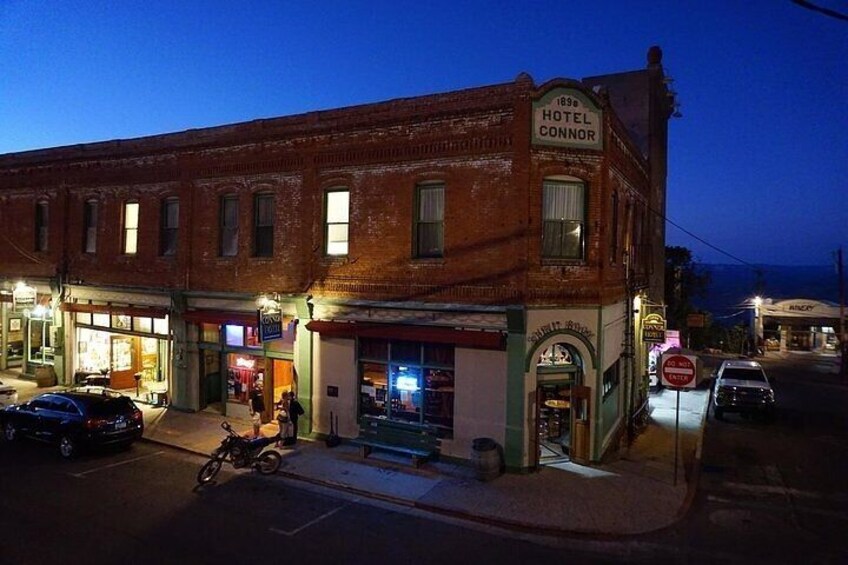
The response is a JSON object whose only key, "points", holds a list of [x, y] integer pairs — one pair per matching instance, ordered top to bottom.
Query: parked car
{"points": [[741, 385], [8, 395], [75, 419]]}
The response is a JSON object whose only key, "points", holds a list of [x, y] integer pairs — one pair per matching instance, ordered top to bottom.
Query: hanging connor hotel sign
{"points": [[566, 117], [270, 322]]}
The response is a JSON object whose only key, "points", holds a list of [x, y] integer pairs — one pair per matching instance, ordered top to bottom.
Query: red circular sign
{"points": [[678, 370]]}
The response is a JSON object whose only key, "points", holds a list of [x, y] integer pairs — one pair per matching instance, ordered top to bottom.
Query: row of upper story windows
{"points": [[564, 212]]}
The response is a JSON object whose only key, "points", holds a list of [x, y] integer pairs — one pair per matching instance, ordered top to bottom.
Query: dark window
{"points": [[563, 217], [89, 218], [430, 221], [170, 225], [41, 226], [614, 229], [263, 230], [228, 246], [611, 379]]}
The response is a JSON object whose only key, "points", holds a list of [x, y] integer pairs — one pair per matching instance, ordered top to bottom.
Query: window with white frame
{"points": [[563, 219], [337, 221], [130, 228]]}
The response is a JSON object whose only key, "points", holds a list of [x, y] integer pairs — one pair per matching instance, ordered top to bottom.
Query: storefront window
{"points": [[122, 322], [143, 325], [160, 326], [210, 333], [234, 335], [242, 336], [252, 336], [15, 341], [40, 341], [93, 351], [122, 354], [132, 358], [243, 373], [413, 383]]}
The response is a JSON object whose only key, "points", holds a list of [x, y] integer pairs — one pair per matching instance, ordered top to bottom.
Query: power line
{"points": [[821, 9]]}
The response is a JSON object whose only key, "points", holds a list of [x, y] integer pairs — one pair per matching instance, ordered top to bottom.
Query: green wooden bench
{"points": [[419, 442]]}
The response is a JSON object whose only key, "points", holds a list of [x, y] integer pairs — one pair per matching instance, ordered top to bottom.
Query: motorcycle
{"points": [[241, 452]]}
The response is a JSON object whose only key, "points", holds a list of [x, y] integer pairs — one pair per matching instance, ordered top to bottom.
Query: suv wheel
{"points": [[10, 432], [67, 446]]}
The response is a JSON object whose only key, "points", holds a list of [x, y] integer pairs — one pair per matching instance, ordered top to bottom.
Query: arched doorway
{"points": [[559, 378]]}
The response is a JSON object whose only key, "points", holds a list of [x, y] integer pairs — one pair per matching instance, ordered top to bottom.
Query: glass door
{"points": [[554, 422]]}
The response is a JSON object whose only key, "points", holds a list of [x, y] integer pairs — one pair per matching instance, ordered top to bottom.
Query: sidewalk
{"points": [[633, 494]]}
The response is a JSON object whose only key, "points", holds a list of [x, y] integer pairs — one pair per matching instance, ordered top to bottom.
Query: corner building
{"points": [[466, 262]]}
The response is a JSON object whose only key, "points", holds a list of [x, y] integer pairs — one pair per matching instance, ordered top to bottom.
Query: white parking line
{"points": [[134, 459], [291, 533]]}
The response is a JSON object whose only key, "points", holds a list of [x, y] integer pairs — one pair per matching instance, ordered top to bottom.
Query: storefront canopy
{"points": [[114, 310], [474, 339]]}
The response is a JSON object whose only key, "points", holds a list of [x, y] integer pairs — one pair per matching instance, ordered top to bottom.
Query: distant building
{"points": [[471, 263], [797, 324]]}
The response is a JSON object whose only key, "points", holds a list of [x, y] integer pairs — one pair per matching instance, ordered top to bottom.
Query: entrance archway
{"points": [[559, 375]]}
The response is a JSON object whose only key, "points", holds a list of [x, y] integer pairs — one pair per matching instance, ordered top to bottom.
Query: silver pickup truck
{"points": [[741, 385]]}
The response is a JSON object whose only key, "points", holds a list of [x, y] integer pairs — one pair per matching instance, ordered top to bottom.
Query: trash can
{"points": [[486, 458]]}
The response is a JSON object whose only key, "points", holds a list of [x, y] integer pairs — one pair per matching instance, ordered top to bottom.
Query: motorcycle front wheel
{"points": [[268, 462], [208, 471]]}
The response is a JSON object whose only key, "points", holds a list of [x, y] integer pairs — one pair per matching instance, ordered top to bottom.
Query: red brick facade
{"points": [[476, 142]]}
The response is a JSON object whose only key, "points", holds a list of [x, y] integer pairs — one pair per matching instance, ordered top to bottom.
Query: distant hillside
{"points": [[732, 285]]}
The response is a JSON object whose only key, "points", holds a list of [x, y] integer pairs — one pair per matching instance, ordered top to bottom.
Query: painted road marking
{"points": [[111, 465], [291, 533]]}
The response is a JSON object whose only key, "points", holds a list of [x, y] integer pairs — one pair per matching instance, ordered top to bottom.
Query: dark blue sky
{"points": [[758, 162]]}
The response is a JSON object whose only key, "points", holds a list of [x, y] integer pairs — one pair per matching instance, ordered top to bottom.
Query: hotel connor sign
{"points": [[565, 117]]}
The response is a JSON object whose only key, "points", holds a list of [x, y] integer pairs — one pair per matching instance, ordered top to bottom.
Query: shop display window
{"points": [[83, 318], [101, 320], [122, 322], [143, 325], [160, 326], [210, 333], [234, 335], [242, 336], [41, 341], [93, 351], [122, 354], [243, 373], [408, 381]]}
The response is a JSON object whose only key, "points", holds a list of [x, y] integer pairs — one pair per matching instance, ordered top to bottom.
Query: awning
{"points": [[140, 311], [221, 317], [474, 339]]}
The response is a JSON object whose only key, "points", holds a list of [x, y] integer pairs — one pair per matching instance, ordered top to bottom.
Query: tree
{"points": [[683, 282]]}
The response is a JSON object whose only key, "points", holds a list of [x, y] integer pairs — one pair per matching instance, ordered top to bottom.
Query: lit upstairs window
{"points": [[337, 222], [130, 228]]}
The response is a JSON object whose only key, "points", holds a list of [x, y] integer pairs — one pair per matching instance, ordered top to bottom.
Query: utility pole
{"points": [[843, 346]]}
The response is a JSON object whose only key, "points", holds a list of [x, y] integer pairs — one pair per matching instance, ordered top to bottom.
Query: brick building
{"points": [[467, 262]]}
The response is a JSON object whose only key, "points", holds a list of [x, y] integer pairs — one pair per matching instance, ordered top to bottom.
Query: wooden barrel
{"points": [[486, 458]]}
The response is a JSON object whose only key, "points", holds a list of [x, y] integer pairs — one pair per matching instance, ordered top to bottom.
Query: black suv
{"points": [[75, 419]]}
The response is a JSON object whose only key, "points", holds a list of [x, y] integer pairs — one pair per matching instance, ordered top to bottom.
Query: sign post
{"points": [[678, 372]]}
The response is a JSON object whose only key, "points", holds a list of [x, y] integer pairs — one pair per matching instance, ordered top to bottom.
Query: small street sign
{"points": [[679, 371]]}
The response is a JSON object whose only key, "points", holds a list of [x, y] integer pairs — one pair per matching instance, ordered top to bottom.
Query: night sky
{"points": [[758, 164]]}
